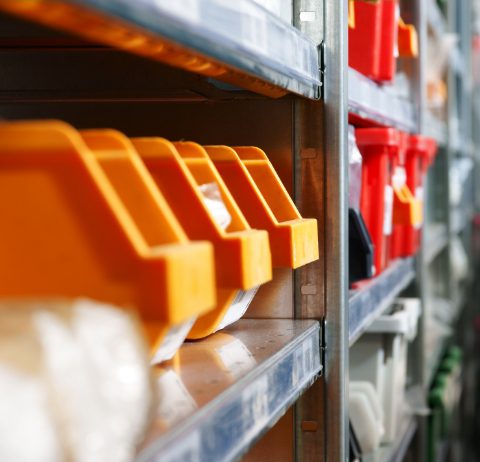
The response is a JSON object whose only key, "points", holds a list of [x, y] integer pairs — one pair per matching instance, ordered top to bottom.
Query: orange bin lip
{"points": [[407, 40], [259, 192], [69, 233]]}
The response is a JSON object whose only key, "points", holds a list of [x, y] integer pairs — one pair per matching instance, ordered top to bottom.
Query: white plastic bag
{"points": [[214, 202]]}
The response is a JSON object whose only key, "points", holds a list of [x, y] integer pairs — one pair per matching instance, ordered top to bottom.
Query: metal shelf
{"points": [[241, 37], [377, 104], [436, 128], [460, 219], [436, 239], [369, 302], [219, 395], [396, 451]]}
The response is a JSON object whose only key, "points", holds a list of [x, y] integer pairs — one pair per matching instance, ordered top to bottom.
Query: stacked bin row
{"points": [[394, 166], [182, 233], [378, 376]]}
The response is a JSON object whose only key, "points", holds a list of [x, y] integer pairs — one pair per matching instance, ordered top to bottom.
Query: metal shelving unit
{"points": [[242, 75]]}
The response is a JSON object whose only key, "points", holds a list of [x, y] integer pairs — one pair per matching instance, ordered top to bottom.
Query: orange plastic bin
{"points": [[265, 202], [67, 230], [242, 255]]}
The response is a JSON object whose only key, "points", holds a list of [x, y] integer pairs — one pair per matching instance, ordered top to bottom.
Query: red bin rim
{"points": [[377, 137]]}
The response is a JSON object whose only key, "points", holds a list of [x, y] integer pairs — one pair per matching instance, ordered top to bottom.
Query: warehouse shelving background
{"points": [[286, 87]]}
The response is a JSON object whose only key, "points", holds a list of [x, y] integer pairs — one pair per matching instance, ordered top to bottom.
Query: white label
{"points": [[188, 10], [255, 35], [399, 177], [419, 193], [388, 211], [238, 307], [173, 341], [308, 355], [236, 357], [255, 400], [175, 402], [189, 451]]}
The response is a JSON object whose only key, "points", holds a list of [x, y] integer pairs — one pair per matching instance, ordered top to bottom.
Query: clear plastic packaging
{"points": [[354, 171]]}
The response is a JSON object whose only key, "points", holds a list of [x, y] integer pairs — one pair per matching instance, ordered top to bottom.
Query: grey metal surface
{"points": [[436, 19], [241, 34], [379, 104], [435, 128], [310, 151], [461, 217], [336, 230], [435, 240], [321, 290], [369, 302], [219, 395], [396, 451], [442, 451]]}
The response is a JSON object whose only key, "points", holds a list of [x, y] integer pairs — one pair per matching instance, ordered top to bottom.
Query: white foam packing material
{"points": [[78, 380]]}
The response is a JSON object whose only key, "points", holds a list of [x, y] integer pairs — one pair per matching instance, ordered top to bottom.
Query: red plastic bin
{"points": [[372, 41], [379, 147], [420, 155], [403, 228]]}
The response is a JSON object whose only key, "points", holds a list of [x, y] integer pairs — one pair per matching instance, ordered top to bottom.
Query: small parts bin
{"points": [[372, 44], [378, 147], [420, 154], [263, 199], [407, 209], [89, 222], [242, 255], [380, 357], [366, 415]]}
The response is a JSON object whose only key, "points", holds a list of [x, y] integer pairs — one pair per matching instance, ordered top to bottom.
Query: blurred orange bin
{"points": [[259, 192], [71, 230], [242, 254]]}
